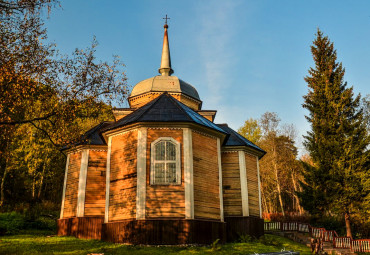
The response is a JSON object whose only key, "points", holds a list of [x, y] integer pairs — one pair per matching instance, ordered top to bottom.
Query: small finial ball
{"points": [[165, 26]]}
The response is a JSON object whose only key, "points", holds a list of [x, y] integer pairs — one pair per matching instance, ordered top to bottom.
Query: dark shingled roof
{"points": [[164, 108], [92, 136], [235, 139]]}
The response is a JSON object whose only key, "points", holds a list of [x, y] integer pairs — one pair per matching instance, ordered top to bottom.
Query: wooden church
{"points": [[163, 172]]}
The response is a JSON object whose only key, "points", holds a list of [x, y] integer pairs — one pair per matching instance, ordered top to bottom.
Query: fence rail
{"points": [[342, 242], [361, 245]]}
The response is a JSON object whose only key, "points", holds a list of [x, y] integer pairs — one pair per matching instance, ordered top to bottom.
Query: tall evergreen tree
{"points": [[338, 139]]}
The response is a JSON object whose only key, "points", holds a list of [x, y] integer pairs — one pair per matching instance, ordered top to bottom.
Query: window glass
{"points": [[160, 151], [170, 151], [165, 162]]}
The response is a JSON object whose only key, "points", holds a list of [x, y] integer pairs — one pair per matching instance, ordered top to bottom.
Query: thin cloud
{"points": [[216, 55]]}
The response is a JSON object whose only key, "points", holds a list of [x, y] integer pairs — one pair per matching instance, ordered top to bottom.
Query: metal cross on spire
{"points": [[166, 18]]}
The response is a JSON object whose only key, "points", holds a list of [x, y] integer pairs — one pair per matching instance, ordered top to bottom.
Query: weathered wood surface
{"points": [[139, 101], [123, 177], [252, 180], [206, 182], [95, 183], [231, 184], [164, 200], [70, 201], [248, 225], [81, 227], [169, 231]]}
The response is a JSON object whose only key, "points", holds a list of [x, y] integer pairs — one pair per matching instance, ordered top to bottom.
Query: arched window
{"points": [[165, 161]]}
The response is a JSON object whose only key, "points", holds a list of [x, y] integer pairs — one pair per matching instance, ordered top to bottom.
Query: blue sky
{"points": [[243, 57]]}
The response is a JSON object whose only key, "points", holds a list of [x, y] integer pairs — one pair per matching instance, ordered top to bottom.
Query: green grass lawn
{"points": [[41, 243]]}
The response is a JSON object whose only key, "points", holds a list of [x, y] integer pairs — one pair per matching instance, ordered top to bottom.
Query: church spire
{"points": [[165, 68]]}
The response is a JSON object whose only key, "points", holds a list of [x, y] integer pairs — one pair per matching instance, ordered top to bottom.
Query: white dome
{"points": [[164, 84]]}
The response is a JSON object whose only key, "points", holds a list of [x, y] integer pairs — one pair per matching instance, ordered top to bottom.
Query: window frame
{"points": [[177, 160]]}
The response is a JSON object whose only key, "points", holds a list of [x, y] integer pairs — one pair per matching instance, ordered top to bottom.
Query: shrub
{"points": [[11, 223], [246, 239]]}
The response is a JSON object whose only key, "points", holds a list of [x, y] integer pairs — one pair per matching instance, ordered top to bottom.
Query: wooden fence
{"points": [[287, 226], [361, 245]]}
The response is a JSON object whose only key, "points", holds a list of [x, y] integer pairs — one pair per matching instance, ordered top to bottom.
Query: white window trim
{"points": [[178, 161]]}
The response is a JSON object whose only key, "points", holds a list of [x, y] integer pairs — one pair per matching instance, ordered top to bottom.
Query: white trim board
{"points": [[141, 173], [188, 173], [220, 179], [107, 181], [243, 183], [82, 184], [64, 186], [259, 186]]}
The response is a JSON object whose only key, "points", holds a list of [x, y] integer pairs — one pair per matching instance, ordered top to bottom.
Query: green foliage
{"points": [[46, 101], [251, 130], [338, 141], [11, 223], [246, 238], [215, 246]]}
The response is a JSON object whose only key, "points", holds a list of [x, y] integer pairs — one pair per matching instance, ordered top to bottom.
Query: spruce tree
{"points": [[337, 141]]}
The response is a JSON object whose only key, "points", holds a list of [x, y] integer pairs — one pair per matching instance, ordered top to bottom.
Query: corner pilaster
{"points": [[141, 173], [188, 173], [220, 179], [107, 181], [243, 183], [82, 184], [64, 186], [259, 186]]}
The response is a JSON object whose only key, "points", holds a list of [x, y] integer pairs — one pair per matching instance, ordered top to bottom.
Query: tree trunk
{"points": [[277, 177], [41, 180], [277, 182], [2, 186], [33, 186], [279, 194], [295, 195], [265, 203], [348, 224]]}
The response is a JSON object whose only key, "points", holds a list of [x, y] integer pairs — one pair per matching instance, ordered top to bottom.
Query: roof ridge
{"points": [[148, 106], [178, 106], [238, 136]]}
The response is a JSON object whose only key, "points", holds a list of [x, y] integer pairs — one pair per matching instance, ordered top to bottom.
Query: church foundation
{"points": [[243, 225]]}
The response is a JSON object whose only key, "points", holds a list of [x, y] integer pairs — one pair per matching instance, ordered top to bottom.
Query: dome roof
{"points": [[165, 84]]}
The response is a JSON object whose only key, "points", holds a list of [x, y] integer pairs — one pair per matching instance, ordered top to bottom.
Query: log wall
{"points": [[139, 101], [206, 173], [123, 177], [252, 178], [95, 183], [231, 184], [70, 200], [164, 200], [237, 226], [81, 227], [164, 231]]}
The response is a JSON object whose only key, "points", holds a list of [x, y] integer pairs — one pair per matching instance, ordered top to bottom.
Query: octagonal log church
{"points": [[163, 172]]}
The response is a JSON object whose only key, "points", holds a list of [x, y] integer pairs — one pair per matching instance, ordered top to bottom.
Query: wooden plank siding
{"points": [[139, 101], [252, 178], [206, 182], [95, 183], [231, 184], [122, 190], [164, 200], [70, 201], [237, 226], [81, 227], [169, 231]]}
